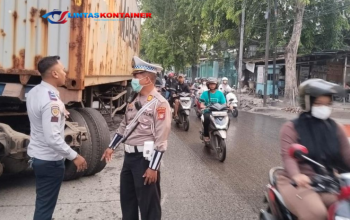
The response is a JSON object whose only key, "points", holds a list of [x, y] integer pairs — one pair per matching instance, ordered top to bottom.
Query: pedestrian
{"points": [[145, 130], [47, 148]]}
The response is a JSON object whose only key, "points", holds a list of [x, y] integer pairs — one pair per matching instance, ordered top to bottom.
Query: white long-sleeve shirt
{"points": [[225, 88], [47, 121]]}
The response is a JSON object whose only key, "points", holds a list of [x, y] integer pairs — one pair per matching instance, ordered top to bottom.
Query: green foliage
{"points": [[179, 28]]}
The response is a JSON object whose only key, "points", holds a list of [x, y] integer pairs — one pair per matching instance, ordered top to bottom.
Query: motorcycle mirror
{"points": [[297, 151]]}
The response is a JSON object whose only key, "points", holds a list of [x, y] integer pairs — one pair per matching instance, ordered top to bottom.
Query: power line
{"points": [[319, 14], [304, 18]]}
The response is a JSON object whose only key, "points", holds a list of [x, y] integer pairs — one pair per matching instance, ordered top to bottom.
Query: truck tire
{"points": [[100, 138], [85, 150]]}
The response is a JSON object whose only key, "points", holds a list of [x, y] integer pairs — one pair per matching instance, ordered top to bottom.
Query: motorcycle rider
{"points": [[170, 83], [196, 83], [159, 85], [224, 86], [180, 87], [203, 87], [213, 95], [327, 144]]}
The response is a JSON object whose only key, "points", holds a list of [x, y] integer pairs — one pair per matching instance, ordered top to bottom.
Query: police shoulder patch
{"points": [[161, 113]]}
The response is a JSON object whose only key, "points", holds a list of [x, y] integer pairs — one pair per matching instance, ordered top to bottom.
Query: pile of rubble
{"points": [[247, 102], [295, 110]]}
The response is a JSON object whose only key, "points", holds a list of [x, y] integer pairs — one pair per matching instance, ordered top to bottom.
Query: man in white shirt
{"points": [[47, 147]]}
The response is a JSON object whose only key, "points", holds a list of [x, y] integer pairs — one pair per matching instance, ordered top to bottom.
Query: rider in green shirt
{"points": [[213, 95]]}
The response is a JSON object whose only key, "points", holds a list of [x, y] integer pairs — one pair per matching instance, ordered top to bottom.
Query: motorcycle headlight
{"points": [[341, 218]]}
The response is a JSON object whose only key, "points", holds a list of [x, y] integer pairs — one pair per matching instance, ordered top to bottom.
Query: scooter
{"points": [[199, 92], [232, 101], [197, 103], [185, 104], [219, 124], [325, 183]]}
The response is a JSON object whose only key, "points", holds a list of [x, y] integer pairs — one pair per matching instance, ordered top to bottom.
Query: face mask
{"points": [[135, 84], [321, 112]]}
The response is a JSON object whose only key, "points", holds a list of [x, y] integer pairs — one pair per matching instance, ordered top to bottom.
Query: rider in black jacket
{"points": [[171, 82], [180, 87]]}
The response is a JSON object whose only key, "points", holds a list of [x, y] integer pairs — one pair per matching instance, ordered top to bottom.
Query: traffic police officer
{"points": [[145, 130], [47, 148]]}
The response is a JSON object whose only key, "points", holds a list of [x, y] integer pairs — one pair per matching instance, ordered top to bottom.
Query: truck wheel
{"points": [[100, 137], [85, 150]]}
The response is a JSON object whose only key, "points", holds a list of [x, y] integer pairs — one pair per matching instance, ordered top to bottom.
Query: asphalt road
{"points": [[195, 185]]}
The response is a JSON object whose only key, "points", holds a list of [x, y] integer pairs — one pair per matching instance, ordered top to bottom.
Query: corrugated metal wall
{"points": [[25, 36], [111, 45], [86, 47]]}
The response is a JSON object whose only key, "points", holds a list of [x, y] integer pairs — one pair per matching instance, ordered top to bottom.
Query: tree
{"points": [[179, 28], [323, 30], [174, 34], [291, 51]]}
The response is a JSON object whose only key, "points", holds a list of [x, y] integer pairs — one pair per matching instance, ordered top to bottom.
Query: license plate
{"points": [[185, 98]]}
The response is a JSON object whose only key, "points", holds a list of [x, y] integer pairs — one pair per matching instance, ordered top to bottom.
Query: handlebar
{"points": [[211, 104], [321, 183]]}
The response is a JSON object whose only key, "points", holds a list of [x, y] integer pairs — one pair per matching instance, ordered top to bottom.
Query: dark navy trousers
{"points": [[49, 177], [134, 195]]}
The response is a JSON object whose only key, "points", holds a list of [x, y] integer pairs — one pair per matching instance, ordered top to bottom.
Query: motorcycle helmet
{"points": [[171, 75], [224, 79], [212, 80], [313, 88]]}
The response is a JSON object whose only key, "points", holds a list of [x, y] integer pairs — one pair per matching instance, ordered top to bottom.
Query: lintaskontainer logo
{"points": [[63, 18]]}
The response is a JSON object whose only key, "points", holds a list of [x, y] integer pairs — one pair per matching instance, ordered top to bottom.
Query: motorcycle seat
{"points": [[273, 175]]}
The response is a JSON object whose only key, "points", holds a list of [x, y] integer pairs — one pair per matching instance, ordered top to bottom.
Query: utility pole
{"points": [[274, 50], [267, 51], [240, 62], [344, 74]]}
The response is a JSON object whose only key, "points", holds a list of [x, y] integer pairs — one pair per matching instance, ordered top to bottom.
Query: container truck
{"points": [[97, 55]]}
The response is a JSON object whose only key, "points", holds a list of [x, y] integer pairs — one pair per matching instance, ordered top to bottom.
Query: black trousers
{"points": [[206, 124], [49, 176], [134, 194]]}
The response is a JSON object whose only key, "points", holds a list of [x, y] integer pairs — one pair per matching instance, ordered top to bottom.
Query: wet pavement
{"points": [[195, 185], [230, 190]]}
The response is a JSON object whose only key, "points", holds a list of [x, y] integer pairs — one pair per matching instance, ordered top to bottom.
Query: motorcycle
{"points": [[232, 101], [197, 103], [185, 104], [219, 124], [325, 183]]}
